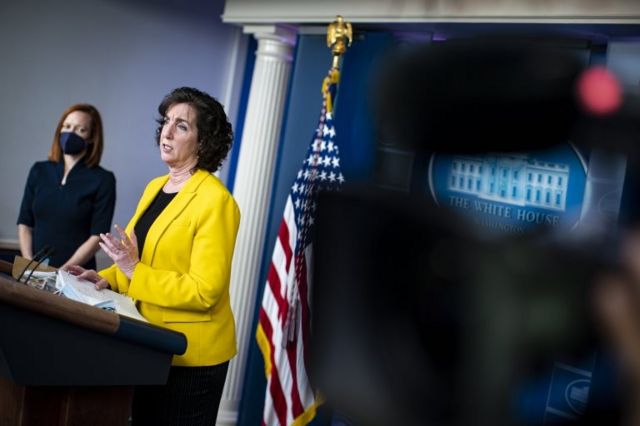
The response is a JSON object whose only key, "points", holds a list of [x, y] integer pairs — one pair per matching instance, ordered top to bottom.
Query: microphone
{"points": [[46, 254], [35, 258]]}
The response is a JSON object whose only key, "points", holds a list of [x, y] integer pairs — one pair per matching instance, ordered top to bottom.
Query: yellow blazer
{"points": [[182, 279]]}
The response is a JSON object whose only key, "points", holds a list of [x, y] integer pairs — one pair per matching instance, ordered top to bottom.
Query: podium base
{"points": [[64, 405]]}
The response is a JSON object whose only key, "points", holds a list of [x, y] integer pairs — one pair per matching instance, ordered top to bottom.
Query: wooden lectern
{"points": [[66, 363]]}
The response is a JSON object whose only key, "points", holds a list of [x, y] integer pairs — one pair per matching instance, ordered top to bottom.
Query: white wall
{"points": [[411, 11], [122, 56]]}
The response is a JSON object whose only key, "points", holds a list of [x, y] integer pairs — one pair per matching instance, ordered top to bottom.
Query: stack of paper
{"points": [[84, 291]]}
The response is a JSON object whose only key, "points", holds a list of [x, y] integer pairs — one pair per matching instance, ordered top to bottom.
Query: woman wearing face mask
{"points": [[69, 200]]}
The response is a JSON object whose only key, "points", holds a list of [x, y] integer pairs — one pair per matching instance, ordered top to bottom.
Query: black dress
{"points": [[65, 216]]}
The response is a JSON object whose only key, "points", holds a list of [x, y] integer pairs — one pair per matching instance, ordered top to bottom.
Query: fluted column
{"points": [[252, 190]]}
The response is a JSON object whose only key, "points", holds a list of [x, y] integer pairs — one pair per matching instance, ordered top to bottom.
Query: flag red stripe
{"points": [[283, 236], [272, 276], [274, 284], [304, 312], [266, 326], [292, 354], [275, 388], [277, 396], [280, 405], [296, 405]]}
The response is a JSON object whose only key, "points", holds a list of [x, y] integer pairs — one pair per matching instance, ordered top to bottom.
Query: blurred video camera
{"points": [[423, 317]]}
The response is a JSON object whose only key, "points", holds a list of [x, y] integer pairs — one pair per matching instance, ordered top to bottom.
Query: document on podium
{"points": [[84, 291]]}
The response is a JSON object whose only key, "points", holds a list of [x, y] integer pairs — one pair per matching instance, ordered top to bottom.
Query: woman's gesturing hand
{"points": [[123, 251]]}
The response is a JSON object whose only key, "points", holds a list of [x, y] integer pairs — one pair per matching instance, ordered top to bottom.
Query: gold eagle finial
{"points": [[339, 37]]}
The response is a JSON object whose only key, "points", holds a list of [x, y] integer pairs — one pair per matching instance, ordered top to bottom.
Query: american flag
{"points": [[283, 325]]}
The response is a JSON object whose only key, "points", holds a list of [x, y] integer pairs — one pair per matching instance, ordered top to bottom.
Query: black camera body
{"points": [[419, 317]]}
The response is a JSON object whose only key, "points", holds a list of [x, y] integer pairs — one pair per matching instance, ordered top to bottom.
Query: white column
{"points": [[252, 191]]}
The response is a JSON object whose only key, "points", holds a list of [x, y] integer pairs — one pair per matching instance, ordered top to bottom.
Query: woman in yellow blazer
{"points": [[174, 259]]}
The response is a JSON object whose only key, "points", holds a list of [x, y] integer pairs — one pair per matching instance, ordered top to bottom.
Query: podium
{"points": [[66, 363]]}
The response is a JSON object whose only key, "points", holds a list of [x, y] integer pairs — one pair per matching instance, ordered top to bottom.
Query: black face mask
{"points": [[71, 143]]}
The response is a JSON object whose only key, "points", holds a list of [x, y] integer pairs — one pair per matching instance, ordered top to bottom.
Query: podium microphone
{"points": [[39, 254], [46, 254]]}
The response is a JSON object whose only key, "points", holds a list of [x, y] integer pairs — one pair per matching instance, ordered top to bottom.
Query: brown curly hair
{"points": [[215, 134]]}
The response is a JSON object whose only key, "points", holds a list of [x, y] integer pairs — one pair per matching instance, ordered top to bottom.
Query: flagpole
{"points": [[339, 37]]}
